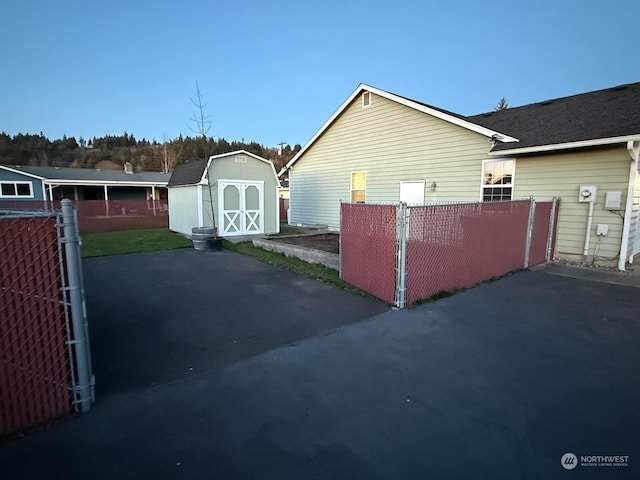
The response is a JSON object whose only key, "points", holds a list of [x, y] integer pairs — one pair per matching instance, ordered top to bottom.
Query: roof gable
{"points": [[442, 114], [599, 117], [595, 118]]}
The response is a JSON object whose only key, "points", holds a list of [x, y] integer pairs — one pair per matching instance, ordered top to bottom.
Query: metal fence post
{"points": [[532, 213], [552, 221], [402, 230], [340, 241], [80, 339]]}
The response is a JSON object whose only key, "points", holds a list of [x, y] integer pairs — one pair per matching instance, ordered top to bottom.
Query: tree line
{"points": [[111, 152]]}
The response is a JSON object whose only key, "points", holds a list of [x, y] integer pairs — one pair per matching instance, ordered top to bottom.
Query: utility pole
{"points": [[281, 144], [165, 164]]}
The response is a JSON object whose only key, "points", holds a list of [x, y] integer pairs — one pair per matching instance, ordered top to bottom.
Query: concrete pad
{"points": [[629, 277], [496, 382]]}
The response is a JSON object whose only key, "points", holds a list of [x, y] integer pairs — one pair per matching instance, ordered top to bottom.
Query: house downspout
{"points": [[633, 147]]}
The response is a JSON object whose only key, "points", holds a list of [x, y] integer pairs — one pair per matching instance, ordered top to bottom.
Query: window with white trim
{"points": [[366, 99], [497, 180], [358, 187], [16, 189]]}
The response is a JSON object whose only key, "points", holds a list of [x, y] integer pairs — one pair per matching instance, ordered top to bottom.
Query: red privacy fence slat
{"points": [[106, 215], [459, 245], [448, 246], [368, 248], [34, 361]]}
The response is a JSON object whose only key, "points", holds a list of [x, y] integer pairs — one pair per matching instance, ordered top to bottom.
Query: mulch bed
{"points": [[326, 242]]}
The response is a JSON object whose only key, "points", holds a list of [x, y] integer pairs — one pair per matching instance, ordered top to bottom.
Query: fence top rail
{"points": [[433, 204], [28, 213]]}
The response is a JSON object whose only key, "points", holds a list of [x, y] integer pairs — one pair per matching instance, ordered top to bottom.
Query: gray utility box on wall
{"points": [[612, 200]]}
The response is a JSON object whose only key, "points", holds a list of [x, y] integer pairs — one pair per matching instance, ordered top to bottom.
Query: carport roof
{"points": [[82, 175]]}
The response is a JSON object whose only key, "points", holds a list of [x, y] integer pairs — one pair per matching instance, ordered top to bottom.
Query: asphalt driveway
{"points": [[161, 317], [499, 381]]}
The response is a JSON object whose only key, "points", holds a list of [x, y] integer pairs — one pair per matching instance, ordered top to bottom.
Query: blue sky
{"points": [[273, 71]]}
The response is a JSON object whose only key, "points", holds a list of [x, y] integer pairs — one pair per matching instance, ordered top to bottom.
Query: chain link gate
{"points": [[45, 367]]}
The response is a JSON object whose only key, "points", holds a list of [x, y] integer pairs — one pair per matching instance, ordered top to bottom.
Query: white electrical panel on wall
{"points": [[612, 200]]}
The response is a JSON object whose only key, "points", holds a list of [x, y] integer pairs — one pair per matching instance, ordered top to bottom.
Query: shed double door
{"points": [[241, 205]]}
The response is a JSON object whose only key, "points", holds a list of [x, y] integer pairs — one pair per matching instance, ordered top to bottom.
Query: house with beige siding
{"points": [[379, 147], [236, 192]]}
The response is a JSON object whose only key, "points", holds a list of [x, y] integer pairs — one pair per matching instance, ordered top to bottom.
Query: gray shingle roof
{"points": [[614, 112], [188, 173], [87, 174]]}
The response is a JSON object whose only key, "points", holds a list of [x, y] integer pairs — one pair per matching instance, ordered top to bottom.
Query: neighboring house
{"points": [[381, 147], [19, 182], [284, 188], [237, 192]]}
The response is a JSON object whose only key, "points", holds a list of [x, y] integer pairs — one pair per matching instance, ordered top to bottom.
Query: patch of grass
{"points": [[131, 241], [311, 270], [437, 296]]}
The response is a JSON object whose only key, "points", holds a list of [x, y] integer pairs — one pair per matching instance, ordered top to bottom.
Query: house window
{"points": [[366, 99], [497, 180], [358, 187], [16, 189]]}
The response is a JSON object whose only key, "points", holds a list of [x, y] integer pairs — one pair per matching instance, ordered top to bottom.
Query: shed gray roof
{"points": [[610, 113], [188, 173], [89, 175]]}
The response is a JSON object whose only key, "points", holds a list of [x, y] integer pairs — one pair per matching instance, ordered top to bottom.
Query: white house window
{"points": [[366, 99], [497, 180], [358, 187], [16, 190]]}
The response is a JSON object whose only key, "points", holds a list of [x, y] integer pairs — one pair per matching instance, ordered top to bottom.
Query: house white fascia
{"points": [[491, 134], [566, 146], [21, 172]]}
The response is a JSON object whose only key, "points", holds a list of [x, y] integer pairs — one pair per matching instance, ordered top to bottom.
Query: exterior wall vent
{"points": [[366, 99]]}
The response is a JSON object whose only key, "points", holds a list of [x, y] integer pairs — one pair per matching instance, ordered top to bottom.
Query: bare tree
{"points": [[200, 121], [201, 125]]}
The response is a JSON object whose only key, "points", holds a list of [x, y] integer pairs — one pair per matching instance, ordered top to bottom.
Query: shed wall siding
{"points": [[391, 143], [562, 175], [183, 211]]}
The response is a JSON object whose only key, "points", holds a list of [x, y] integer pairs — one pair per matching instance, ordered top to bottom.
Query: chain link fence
{"points": [[105, 215], [368, 248], [418, 251], [45, 371]]}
